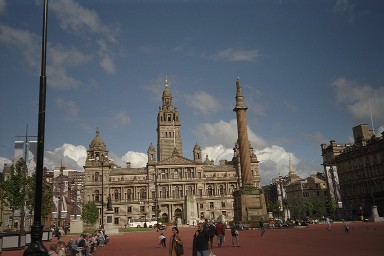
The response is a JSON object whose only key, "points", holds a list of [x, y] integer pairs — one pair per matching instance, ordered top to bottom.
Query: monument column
{"points": [[242, 133], [249, 201]]}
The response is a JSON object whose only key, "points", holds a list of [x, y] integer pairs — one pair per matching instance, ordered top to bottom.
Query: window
{"points": [[175, 174], [97, 176], [189, 190], [210, 190], [221, 190], [163, 192], [143, 193], [116, 194], [129, 194], [97, 195], [223, 204], [211, 205], [201, 206], [141, 208], [129, 209], [116, 210], [116, 221]]}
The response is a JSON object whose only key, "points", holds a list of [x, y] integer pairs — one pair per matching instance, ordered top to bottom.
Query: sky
{"points": [[309, 70]]}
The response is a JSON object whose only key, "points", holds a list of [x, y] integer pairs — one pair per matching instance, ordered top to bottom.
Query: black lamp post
{"points": [[36, 246]]}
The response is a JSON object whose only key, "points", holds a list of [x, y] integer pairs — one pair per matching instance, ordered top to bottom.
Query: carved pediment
{"points": [[176, 159]]}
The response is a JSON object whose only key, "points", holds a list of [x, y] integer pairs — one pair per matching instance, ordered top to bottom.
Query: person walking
{"points": [[329, 225], [346, 227], [262, 228], [211, 232], [220, 233], [235, 236], [162, 241], [175, 241], [200, 241]]}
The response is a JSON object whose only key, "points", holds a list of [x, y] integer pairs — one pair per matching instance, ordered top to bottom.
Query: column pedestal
{"points": [[249, 205], [109, 226]]}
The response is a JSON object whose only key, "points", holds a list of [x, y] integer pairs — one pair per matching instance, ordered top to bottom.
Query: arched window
{"points": [[175, 174], [190, 190], [210, 190], [221, 190], [163, 192], [129, 194], [143, 194], [116, 195], [97, 196]]}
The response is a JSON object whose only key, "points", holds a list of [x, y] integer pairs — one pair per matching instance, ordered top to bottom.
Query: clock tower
{"points": [[168, 128]]}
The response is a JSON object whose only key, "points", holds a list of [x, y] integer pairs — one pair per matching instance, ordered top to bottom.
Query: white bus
{"points": [[139, 222]]}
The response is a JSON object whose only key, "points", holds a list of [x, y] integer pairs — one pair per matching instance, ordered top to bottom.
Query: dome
{"points": [[98, 143]]}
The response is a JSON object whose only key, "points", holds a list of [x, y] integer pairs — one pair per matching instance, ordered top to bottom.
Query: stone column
{"points": [[242, 133]]}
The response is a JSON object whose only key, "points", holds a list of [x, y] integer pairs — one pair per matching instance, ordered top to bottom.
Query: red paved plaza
{"points": [[364, 239]]}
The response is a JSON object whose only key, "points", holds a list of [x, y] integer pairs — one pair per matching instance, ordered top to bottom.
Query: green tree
{"points": [[15, 187], [47, 197], [3, 202], [331, 205], [273, 206], [319, 207], [296, 208], [309, 208], [90, 213]]}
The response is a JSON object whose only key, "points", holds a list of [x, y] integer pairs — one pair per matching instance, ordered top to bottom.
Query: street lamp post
{"points": [[36, 246]]}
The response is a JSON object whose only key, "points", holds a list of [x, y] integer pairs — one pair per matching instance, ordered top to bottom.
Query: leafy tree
{"points": [[15, 187], [2, 197], [47, 197], [331, 205], [273, 206], [295, 207], [319, 207], [309, 208], [90, 213]]}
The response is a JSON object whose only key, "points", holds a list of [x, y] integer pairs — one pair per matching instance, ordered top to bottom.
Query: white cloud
{"points": [[76, 19], [25, 42], [231, 54], [107, 64], [357, 97], [203, 102], [225, 133], [217, 153], [71, 156], [137, 159]]}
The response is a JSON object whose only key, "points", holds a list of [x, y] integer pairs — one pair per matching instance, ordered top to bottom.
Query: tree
{"points": [[15, 187], [47, 197], [2, 198], [331, 205], [319, 207], [309, 208], [90, 213]]}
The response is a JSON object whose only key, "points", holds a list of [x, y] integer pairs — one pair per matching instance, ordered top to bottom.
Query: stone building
{"points": [[360, 169], [170, 187], [303, 194]]}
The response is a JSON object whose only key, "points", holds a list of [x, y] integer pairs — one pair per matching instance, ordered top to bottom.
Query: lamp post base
{"points": [[36, 247]]}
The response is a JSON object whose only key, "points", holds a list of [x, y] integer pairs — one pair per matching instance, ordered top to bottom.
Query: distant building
{"points": [[360, 169], [171, 188]]}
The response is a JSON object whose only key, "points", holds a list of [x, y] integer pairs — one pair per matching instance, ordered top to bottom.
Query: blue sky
{"points": [[308, 71]]}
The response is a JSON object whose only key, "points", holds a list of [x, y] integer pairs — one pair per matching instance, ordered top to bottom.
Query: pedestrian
{"points": [[329, 225], [261, 226], [346, 227], [211, 232], [220, 233], [235, 236], [162, 240], [200, 241], [175, 243], [54, 250]]}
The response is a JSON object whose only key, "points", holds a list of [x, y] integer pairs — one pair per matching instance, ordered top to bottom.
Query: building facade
{"points": [[360, 168], [171, 187]]}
